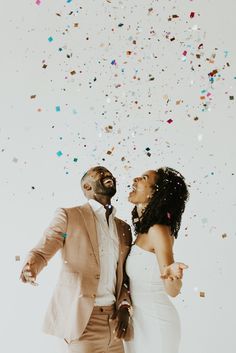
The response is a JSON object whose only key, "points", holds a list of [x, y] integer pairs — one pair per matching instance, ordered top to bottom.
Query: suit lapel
{"points": [[89, 221], [120, 232]]}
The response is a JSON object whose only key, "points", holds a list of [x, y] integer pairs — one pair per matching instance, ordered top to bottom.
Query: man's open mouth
{"points": [[108, 181]]}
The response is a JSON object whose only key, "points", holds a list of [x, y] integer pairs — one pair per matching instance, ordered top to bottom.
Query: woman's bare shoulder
{"points": [[159, 234]]}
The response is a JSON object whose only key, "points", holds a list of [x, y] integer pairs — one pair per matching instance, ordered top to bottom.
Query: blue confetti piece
{"points": [[50, 39], [58, 108], [64, 235]]}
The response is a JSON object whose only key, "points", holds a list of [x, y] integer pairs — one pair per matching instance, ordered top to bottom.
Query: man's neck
{"points": [[103, 200]]}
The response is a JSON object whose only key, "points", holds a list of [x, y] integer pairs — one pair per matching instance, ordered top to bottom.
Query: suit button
{"points": [[97, 276]]}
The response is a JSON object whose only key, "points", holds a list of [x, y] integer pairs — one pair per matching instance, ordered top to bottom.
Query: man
{"points": [[90, 292]]}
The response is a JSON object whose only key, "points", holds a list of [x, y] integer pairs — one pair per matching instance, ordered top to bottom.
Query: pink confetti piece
{"points": [[38, 2], [169, 121]]}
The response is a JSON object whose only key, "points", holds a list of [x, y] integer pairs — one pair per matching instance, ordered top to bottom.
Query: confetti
{"points": [[50, 39], [59, 153], [17, 258], [202, 294]]}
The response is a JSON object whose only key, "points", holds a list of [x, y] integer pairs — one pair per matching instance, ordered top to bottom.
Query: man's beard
{"points": [[101, 189]]}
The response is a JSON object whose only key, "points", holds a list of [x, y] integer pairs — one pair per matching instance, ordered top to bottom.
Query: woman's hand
{"points": [[174, 271]]}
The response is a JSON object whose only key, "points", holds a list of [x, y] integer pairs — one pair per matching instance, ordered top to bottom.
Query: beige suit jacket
{"points": [[73, 231]]}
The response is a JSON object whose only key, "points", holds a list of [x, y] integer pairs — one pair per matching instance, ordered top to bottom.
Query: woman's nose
{"points": [[136, 179]]}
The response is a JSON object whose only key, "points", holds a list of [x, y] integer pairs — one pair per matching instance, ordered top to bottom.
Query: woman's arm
{"points": [[162, 243]]}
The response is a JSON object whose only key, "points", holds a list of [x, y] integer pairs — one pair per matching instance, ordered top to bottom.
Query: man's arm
{"points": [[52, 240], [123, 329]]}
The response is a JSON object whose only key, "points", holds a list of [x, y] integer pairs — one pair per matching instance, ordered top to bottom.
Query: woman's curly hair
{"points": [[166, 205]]}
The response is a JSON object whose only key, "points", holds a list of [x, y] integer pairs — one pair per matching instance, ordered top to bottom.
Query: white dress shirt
{"points": [[108, 243]]}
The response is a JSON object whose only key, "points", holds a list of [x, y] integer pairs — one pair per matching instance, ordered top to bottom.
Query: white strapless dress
{"points": [[155, 320]]}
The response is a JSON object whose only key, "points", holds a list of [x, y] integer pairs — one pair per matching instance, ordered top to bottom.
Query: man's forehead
{"points": [[97, 170]]}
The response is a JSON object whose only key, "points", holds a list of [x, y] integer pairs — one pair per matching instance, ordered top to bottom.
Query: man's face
{"points": [[102, 181]]}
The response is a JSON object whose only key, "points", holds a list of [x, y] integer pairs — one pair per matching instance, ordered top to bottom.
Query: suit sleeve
{"points": [[53, 239], [125, 292]]}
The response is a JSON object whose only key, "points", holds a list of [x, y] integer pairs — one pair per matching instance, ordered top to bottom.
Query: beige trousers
{"points": [[98, 336]]}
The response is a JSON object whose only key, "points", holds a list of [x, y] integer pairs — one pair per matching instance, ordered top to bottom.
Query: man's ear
{"points": [[87, 187]]}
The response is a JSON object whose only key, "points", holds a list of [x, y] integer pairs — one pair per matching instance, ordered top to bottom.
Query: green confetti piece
{"points": [[59, 153]]}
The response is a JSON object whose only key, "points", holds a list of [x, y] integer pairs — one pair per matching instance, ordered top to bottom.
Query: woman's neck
{"points": [[140, 208]]}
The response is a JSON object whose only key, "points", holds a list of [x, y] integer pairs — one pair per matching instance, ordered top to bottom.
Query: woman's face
{"points": [[143, 188]]}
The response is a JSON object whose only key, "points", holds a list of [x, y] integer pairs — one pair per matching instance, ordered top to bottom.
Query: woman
{"points": [[159, 198]]}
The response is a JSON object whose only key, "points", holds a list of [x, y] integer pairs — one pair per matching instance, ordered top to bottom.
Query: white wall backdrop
{"points": [[131, 85]]}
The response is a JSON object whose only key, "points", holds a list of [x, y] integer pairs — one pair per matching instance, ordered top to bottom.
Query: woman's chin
{"points": [[131, 199]]}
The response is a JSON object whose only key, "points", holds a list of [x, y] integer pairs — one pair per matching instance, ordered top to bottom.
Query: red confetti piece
{"points": [[192, 14], [213, 73], [169, 121]]}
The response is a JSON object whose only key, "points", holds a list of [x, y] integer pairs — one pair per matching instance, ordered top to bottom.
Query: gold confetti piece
{"points": [[76, 25], [73, 72], [33, 96], [109, 128], [110, 151], [224, 235], [17, 258], [202, 294]]}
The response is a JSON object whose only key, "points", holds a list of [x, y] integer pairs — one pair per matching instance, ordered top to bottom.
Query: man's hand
{"points": [[174, 271], [28, 275], [122, 316]]}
